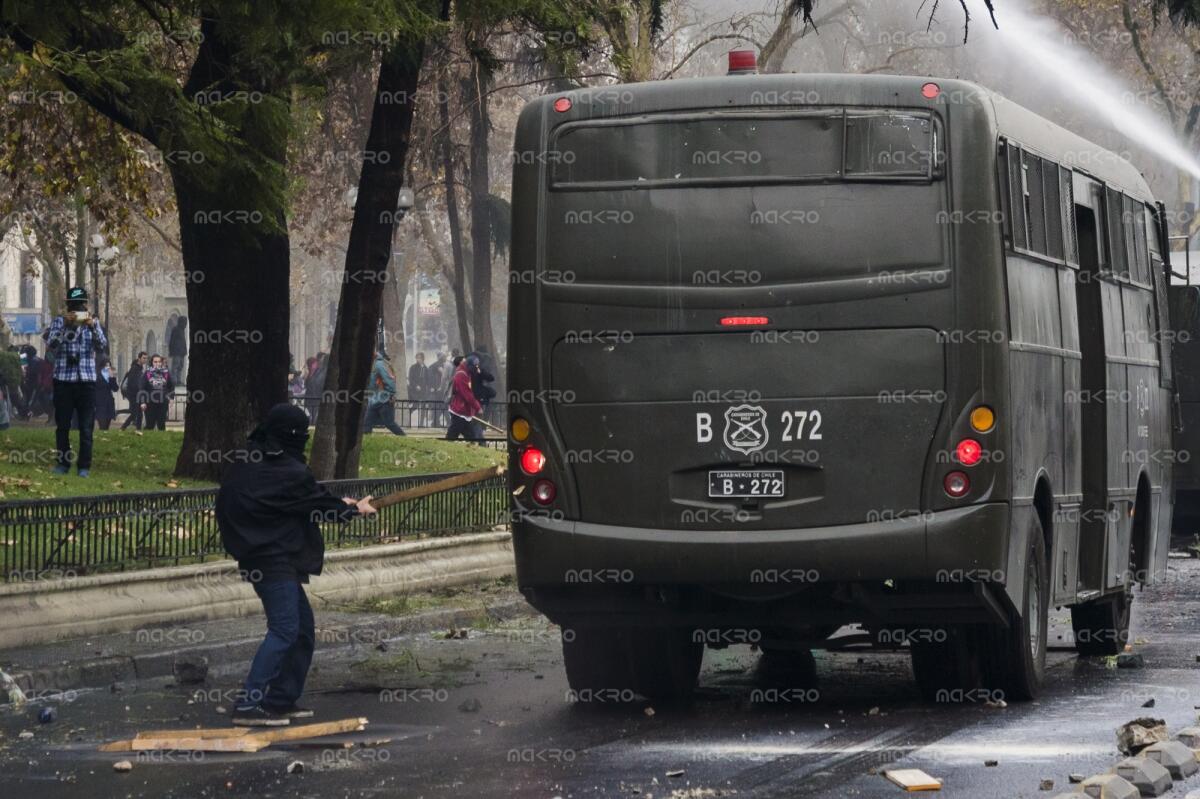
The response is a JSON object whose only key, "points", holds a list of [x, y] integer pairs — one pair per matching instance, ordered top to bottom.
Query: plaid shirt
{"points": [[78, 344]]}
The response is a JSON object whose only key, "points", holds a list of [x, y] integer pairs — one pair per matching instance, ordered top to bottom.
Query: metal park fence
{"points": [[52, 538]]}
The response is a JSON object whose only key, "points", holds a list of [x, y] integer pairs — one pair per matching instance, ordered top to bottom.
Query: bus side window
{"points": [[1016, 198], [1067, 199], [1035, 204], [1053, 210], [1116, 233], [1135, 237], [1158, 279]]}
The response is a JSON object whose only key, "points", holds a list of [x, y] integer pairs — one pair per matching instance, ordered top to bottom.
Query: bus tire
{"points": [[1102, 625], [1017, 660], [597, 662], [609, 664], [665, 664], [946, 664]]}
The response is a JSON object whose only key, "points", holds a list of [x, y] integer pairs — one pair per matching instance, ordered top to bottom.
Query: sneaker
{"points": [[61, 469], [84, 472], [292, 712], [259, 716]]}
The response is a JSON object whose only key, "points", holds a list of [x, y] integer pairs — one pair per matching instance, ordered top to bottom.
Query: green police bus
{"points": [[788, 353]]}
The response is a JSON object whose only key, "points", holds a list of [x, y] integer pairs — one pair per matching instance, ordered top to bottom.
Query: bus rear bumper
{"points": [[952, 553]]}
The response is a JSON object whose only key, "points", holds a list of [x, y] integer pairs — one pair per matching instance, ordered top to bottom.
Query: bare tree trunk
{"points": [[450, 180], [481, 216], [338, 440]]}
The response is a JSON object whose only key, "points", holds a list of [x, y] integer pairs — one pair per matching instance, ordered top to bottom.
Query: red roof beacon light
{"points": [[742, 62], [930, 91], [562, 104]]}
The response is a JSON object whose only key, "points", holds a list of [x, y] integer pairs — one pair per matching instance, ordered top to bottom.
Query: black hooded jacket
{"points": [[269, 505]]}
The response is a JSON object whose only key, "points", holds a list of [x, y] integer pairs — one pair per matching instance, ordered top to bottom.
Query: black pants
{"points": [[71, 399], [156, 415], [382, 415], [135, 416], [467, 428]]}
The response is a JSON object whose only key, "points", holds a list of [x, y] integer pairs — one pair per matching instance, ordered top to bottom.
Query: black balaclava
{"points": [[283, 432]]}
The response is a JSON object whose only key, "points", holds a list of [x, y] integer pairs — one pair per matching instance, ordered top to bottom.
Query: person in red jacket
{"points": [[464, 407]]}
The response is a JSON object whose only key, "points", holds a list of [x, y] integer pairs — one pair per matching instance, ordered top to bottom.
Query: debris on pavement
{"points": [[1130, 660], [190, 669], [16, 697], [1149, 702], [471, 705], [48, 715], [25, 735], [1136, 735], [231, 739], [991, 763], [122, 766], [295, 767], [675, 772], [913, 779], [1075, 779], [1046, 785]]}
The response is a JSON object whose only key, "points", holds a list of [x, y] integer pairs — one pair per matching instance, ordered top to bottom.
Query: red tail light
{"points": [[562, 104], [968, 452], [532, 460], [957, 484]]}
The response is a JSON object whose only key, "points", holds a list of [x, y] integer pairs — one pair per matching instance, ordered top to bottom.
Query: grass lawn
{"points": [[125, 461]]}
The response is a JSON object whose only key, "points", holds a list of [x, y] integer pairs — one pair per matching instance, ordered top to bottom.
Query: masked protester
{"points": [[73, 340], [268, 509]]}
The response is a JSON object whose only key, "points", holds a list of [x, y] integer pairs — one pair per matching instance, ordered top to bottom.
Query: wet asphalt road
{"points": [[489, 716]]}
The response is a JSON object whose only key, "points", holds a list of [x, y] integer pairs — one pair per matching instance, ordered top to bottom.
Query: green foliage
{"points": [[209, 84]]}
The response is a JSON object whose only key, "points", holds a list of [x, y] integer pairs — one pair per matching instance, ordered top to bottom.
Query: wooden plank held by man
{"points": [[424, 490]]}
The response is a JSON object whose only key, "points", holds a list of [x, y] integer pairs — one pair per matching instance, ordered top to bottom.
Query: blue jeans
{"points": [[280, 666]]}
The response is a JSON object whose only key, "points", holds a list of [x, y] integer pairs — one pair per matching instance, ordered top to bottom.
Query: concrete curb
{"points": [[54, 610], [234, 655]]}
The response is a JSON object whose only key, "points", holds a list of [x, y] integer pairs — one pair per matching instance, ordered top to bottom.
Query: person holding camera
{"points": [[73, 340]]}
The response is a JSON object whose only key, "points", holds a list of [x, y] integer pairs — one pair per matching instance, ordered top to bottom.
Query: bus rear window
{"points": [[744, 148]]}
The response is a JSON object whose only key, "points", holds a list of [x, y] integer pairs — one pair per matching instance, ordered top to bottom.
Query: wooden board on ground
{"points": [[232, 739], [913, 779]]}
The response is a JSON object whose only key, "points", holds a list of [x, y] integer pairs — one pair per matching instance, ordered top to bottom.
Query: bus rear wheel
{"points": [[1102, 625], [1017, 654], [945, 663], [613, 664]]}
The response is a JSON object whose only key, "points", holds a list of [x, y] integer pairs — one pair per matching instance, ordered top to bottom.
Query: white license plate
{"points": [[750, 483]]}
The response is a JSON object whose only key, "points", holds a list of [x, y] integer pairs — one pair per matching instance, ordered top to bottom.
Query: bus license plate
{"points": [[755, 483]]}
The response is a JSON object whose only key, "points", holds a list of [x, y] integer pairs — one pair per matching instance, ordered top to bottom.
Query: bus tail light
{"points": [[930, 91], [562, 104], [519, 429], [968, 452], [532, 460], [957, 484], [544, 492]]}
